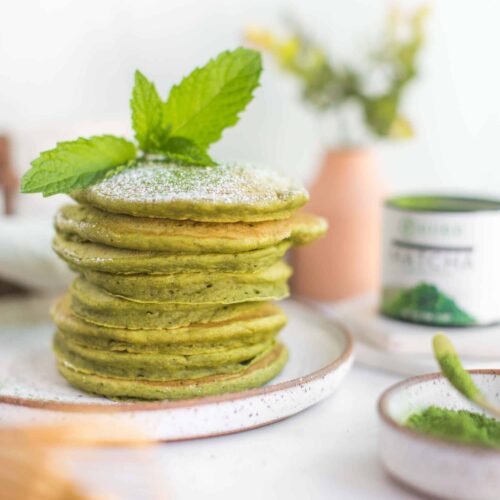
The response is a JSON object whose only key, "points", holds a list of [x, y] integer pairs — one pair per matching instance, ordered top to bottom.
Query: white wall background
{"points": [[65, 65]]}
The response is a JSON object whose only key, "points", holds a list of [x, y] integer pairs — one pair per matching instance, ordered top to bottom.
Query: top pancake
{"points": [[222, 193]]}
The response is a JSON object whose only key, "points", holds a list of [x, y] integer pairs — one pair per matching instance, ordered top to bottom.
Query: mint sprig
{"points": [[180, 130]]}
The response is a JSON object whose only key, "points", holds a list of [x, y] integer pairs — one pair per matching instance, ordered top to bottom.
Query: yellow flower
{"points": [[260, 37], [287, 51], [401, 128]]}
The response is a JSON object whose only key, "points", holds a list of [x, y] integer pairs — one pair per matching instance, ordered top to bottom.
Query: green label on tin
{"points": [[443, 267], [424, 303]]}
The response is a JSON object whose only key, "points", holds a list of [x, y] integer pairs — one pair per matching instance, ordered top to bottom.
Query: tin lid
{"points": [[442, 203]]}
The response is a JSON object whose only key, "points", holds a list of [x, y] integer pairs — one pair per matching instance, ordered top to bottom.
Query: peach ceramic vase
{"points": [[348, 192]]}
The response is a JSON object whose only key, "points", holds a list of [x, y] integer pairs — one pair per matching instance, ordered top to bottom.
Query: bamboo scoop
{"points": [[452, 369]]}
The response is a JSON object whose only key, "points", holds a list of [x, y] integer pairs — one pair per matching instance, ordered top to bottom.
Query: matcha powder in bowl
{"points": [[457, 425]]}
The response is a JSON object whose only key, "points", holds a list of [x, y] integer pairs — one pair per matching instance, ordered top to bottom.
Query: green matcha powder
{"points": [[457, 425]]}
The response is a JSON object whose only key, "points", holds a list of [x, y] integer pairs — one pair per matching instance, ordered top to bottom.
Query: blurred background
{"points": [[66, 69]]}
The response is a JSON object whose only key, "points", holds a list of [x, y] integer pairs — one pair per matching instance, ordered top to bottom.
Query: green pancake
{"points": [[222, 193], [163, 235], [83, 255], [196, 288], [96, 306], [258, 325], [154, 366], [254, 374]]}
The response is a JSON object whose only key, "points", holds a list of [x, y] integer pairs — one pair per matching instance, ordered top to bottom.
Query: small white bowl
{"points": [[430, 465]]}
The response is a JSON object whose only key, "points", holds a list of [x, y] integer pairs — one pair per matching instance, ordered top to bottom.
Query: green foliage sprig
{"points": [[328, 85], [180, 129]]}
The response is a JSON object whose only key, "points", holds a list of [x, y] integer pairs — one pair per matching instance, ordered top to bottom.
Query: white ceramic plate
{"points": [[32, 391], [433, 466]]}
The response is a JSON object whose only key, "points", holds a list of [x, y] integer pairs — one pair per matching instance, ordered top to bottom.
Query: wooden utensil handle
{"points": [[9, 181]]}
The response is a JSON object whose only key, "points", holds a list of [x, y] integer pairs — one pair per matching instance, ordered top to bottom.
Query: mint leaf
{"points": [[210, 98], [147, 115], [186, 151], [76, 164]]}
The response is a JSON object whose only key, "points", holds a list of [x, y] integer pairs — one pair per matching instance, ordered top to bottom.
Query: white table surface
{"points": [[326, 452]]}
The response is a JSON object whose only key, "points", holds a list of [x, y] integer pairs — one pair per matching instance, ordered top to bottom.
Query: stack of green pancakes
{"points": [[177, 267]]}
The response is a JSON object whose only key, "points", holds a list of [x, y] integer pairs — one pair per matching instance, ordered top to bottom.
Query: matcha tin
{"points": [[441, 260]]}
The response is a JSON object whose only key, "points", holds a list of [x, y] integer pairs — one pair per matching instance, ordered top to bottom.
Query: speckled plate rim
{"points": [[344, 357], [382, 408]]}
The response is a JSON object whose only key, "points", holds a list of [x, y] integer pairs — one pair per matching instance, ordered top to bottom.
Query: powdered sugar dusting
{"points": [[222, 184]]}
